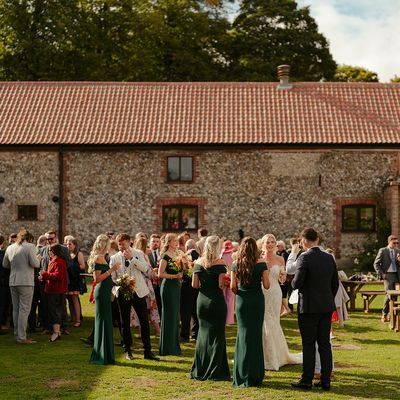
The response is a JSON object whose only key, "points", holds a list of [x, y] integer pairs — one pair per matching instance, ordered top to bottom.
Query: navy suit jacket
{"points": [[317, 280]]}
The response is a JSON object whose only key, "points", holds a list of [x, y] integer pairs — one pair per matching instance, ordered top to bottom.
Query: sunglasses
{"points": [[50, 239]]}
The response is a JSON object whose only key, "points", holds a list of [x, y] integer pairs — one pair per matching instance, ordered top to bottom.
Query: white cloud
{"points": [[361, 32]]}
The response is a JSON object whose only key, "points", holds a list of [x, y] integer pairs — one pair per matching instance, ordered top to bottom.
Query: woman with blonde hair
{"points": [[248, 272], [170, 292], [103, 346], [276, 352], [210, 360]]}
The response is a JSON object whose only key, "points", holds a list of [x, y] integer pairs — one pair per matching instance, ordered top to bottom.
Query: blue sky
{"points": [[361, 32]]}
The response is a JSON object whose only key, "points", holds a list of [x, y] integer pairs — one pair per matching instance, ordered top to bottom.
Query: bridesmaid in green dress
{"points": [[248, 272], [170, 296], [103, 346], [210, 361]]}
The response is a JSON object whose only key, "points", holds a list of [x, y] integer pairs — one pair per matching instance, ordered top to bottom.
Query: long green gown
{"points": [[170, 298], [103, 347], [210, 360], [248, 369]]}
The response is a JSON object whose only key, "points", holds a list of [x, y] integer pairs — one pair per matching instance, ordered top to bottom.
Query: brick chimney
{"points": [[284, 75]]}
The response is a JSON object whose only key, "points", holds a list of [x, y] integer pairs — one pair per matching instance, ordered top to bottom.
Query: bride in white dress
{"points": [[275, 348]]}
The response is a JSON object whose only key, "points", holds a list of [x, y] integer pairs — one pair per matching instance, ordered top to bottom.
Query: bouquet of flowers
{"points": [[172, 264], [185, 265], [127, 286]]}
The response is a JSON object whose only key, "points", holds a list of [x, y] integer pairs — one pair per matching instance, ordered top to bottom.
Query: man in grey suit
{"points": [[21, 259], [387, 264]]}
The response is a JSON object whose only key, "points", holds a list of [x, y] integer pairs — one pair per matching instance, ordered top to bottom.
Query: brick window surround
{"points": [[164, 169], [160, 202], [340, 202]]}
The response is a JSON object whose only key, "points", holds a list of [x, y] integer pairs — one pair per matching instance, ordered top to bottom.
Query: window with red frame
{"points": [[180, 217], [358, 218]]}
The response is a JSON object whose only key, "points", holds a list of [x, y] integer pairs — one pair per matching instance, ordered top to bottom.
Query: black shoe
{"points": [[86, 341], [128, 356], [151, 356], [302, 385], [324, 386]]}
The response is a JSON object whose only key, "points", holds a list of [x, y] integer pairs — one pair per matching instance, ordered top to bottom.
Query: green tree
{"points": [[268, 33], [37, 39], [190, 46], [348, 73], [395, 79]]}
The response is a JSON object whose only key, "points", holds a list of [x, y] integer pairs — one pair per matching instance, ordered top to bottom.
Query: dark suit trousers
{"points": [[389, 283], [157, 293], [140, 306], [188, 310], [32, 321], [316, 328]]}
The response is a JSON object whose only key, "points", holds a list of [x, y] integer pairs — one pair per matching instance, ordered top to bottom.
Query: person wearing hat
{"points": [[227, 251]]}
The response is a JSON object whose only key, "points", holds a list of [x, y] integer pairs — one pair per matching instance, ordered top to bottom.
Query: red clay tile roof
{"points": [[198, 113]]}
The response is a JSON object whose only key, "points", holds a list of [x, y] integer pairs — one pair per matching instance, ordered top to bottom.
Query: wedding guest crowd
{"points": [[184, 290]]}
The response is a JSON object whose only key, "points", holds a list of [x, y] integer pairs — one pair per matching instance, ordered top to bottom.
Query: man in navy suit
{"points": [[317, 280]]}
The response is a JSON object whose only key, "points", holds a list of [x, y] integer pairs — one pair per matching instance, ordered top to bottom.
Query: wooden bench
{"points": [[369, 296], [396, 314]]}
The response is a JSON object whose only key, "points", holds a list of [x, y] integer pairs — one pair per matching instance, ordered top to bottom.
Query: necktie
{"points": [[155, 256], [126, 263]]}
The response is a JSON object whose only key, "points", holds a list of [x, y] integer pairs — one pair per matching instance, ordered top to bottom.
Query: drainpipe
{"points": [[61, 194]]}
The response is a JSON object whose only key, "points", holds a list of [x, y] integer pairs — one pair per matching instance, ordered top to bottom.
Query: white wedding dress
{"points": [[275, 348]]}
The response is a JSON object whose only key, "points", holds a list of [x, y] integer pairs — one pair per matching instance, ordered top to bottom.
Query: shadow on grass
{"points": [[377, 342], [370, 385]]}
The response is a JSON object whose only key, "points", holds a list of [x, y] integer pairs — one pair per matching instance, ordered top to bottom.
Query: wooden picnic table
{"points": [[353, 287], [392, 299]]}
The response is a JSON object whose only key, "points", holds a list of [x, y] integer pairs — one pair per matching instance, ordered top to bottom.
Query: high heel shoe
{"points": [[76, 325], [53, 339]]}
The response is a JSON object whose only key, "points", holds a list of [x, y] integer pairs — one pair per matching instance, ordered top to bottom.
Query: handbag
{"points": [[82, 285]]}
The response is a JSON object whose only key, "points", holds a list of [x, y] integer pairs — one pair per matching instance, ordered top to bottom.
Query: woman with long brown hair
{"points": [[248, 271], [74, 280], [170, 296]]}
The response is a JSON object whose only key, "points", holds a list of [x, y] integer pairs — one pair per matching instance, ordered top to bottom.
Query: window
{"points": [[180, 169], [27, 213], [180, 217], [358, 218]]}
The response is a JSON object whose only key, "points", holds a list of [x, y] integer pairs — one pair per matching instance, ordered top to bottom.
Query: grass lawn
{"points": [[367, 366]]}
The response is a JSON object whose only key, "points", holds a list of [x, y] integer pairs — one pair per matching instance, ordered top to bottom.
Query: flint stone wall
{"points": [[257, 190]]}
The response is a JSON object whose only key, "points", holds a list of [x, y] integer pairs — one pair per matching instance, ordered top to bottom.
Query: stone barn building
{"points": [[84, 158]]}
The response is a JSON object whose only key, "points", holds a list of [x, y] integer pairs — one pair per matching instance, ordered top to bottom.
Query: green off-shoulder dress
{"points": [[171, 299], [103, 347], [210, 360], [248, 368]]}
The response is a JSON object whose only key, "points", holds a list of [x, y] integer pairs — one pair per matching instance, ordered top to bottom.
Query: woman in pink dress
{"points": [[227, 251]]}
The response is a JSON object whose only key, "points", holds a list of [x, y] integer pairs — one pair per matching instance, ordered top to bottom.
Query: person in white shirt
{"points": [[133, 264]]}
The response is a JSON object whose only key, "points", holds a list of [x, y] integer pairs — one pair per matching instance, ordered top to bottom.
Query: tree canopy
{"points": [[164, 40], [348, 73]]}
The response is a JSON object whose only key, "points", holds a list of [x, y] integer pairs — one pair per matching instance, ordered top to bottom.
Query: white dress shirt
{"points": [[137, 265]]}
